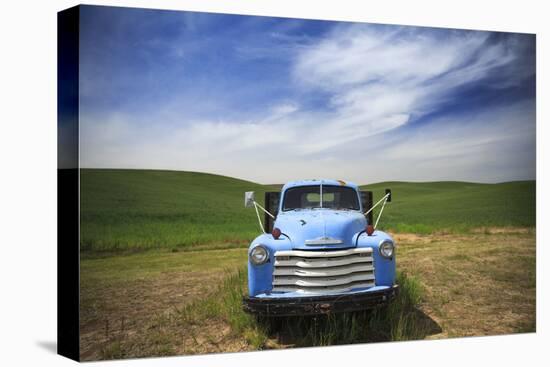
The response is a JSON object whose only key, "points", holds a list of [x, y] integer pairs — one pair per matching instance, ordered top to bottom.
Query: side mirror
{"points": [[388, 191], [249, 199]]}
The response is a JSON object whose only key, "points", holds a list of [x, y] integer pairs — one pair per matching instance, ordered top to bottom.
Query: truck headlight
{"points": [[386, 249], [259, 255]]}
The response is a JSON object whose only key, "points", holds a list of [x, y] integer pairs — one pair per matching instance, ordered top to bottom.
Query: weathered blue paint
{"points": [[307, 224], [298, 226]]}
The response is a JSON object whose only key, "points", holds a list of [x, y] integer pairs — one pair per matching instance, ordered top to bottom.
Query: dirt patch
{"points": [[503, 230], [411, 237], [475, 284], [124, 309], [133, 312], [214, 336]]}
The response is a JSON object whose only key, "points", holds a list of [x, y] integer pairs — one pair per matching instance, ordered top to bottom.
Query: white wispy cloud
{"points": [[378, 79]]}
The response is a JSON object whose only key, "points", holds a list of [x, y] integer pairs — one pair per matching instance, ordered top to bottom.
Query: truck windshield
{"points": [[309, 197]]}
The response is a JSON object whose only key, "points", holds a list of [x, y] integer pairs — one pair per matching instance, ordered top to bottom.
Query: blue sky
{"points": [[273, 99]]}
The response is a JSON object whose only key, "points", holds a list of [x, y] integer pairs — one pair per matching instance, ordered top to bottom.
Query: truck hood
{"points": [[321, 228]]}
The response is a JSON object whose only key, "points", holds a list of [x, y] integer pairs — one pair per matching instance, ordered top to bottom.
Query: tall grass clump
{"points": [[400, 320]]}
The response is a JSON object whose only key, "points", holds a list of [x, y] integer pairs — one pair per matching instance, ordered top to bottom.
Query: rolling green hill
{"points": [[456, 206], [125, 209], [140, 209]]}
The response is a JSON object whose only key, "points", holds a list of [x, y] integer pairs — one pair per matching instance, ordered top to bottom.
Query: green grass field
{"points": [[456, 206], [141, 209], [125, 210]]}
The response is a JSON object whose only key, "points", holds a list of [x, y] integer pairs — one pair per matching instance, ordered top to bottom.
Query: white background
{"points": [[28, 157]]}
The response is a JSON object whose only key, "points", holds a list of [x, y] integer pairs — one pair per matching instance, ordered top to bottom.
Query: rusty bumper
{"points": [[318, 305]]}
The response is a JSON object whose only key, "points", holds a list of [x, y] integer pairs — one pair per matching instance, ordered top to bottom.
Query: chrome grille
{"points": [[323, 271]]}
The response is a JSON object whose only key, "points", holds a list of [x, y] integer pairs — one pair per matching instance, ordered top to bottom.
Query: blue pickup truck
{"points": [[319, 252]]}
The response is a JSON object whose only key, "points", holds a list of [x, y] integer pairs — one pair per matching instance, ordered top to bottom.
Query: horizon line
{"points": [[274, 184]]}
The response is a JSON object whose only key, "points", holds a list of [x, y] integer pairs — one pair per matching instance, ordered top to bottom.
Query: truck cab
{"points": [[319, 252]]}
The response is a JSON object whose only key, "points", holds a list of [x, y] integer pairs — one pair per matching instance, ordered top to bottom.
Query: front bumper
{"points": [[318, 305]]}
